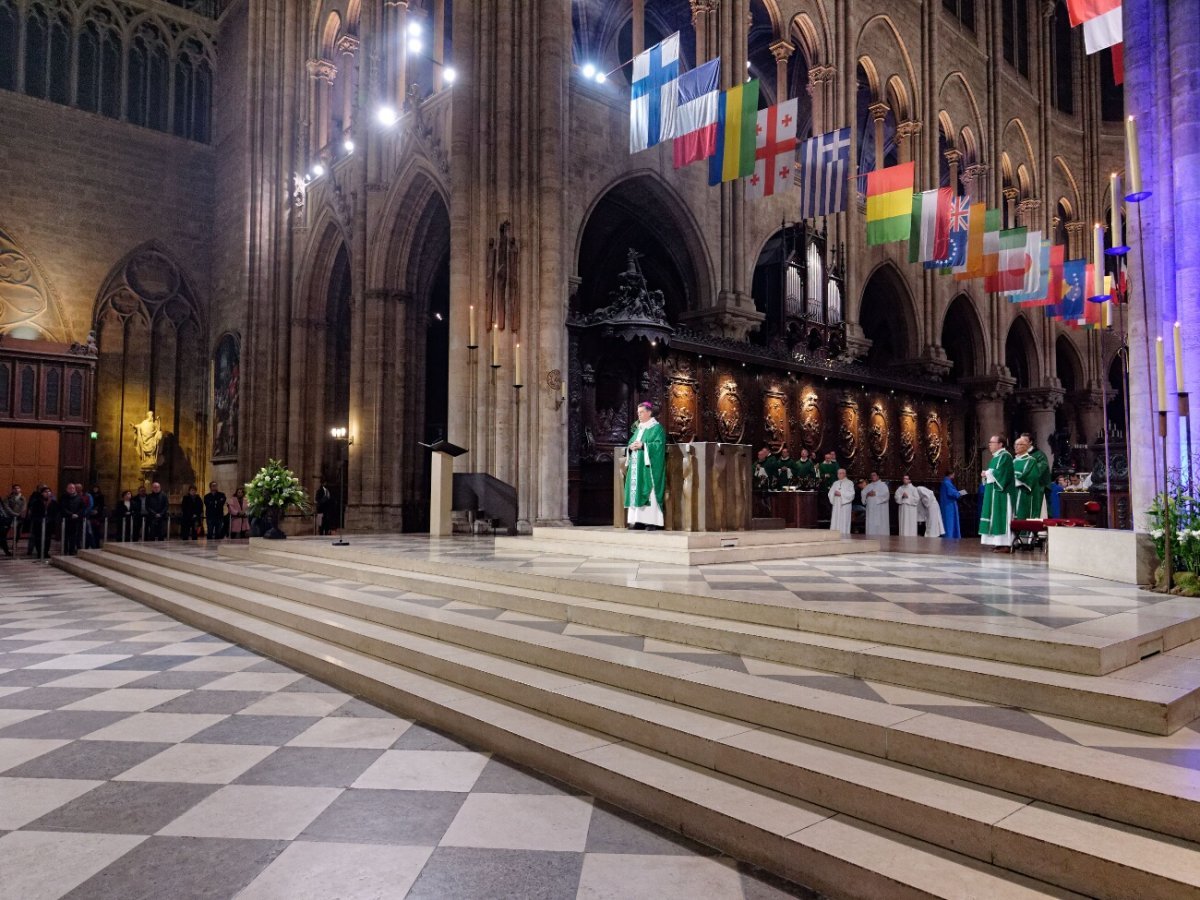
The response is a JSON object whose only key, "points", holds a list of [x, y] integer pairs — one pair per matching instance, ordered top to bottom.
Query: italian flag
{"points": [[889, 203]]}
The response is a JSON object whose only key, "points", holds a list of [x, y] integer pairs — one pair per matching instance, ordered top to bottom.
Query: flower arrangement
{"points": [[276, 488], [1179, 512]]}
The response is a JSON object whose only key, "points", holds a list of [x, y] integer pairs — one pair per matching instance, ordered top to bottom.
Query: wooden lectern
{"points": [[441, 485], [708, 487]]}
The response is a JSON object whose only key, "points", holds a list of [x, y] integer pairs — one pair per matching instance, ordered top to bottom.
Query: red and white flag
{"points": [[1101, 21], [775, 150]]}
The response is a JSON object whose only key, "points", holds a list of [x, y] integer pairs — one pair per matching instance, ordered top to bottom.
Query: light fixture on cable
{"points": [[449, 75], [387, 116], [348, 145]]}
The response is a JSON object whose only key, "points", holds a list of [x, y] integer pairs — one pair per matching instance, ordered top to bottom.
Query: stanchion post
{"points": [[1185, 414], [1168, 520], [43, 547]]}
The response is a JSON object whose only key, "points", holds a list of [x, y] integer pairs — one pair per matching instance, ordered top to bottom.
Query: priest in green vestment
{"points": [[804, 466], [828, 470], [646, 472], [1027, 482], [1041, 493], [995, 515]]}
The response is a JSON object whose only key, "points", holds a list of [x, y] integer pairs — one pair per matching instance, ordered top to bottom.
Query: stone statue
{"points": [[148, 439]]}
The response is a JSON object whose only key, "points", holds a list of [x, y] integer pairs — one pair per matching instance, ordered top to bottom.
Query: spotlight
{"points": [[414, 28], [415, 45], [589, 71], [449, 75], [601, 78], [387, 116], [348, 145], [318, 170], [438, 316]]}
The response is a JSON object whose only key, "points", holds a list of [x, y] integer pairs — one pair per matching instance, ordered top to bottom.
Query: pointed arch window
{"points": [[963, 10], [10, 31], [1062, 61], [98, 85], [193, 91], [148, 95], [53, 393], [75, 395]]}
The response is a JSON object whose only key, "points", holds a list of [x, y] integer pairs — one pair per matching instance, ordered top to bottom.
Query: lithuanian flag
{"points": [[737, 128], [889, 203]]}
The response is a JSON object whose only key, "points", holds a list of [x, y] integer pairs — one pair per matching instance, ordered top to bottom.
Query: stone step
{"points": [[679, 540], [734, 552], [1083, 653], [1119, 701], [707, 759], [1146, 794]]}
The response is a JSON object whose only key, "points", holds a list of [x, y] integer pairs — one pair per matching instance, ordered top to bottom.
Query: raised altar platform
{"points": [[686, 548]]}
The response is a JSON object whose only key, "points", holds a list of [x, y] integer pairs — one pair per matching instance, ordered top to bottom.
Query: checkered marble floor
{"points": [[956, 591], [1180, 749], [141, 758]]}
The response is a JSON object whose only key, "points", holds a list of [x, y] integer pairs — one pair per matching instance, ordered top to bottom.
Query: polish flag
{"points": [[1102, 31]]}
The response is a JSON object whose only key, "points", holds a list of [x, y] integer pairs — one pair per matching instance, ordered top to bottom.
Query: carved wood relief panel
{"points": [[775, 419], [730, 421], [848, 429], [878, 431], [908, 434], [934, 439]]}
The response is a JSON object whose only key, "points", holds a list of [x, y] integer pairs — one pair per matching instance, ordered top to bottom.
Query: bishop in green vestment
{"points": [[646, 472], [1027, 482], [995, 515]]}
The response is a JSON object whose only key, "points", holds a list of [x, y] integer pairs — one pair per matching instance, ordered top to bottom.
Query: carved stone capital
{"points": [[347, 45], [782, 50], [322, 70], [818, 75], [879, 111], [909, 129], [953, 156], [977, 171], [1011, 194], [1075, 228], [733, 316], [935, 363], [982, 388], [1041, 399]]}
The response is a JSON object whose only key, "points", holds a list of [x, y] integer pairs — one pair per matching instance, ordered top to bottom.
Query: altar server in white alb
{"points": [[841, 496], [875, 498], [908, 502], [929, 512]]}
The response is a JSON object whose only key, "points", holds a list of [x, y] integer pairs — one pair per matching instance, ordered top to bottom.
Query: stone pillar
{"points": [[703, 14], [639, 26], [397, 44], [348, 46], [438, 50], [782, 51], [322, 72], [819, 77], [879, 112], [906, 134], [953, 160], [975, 182], [1010, 207], [1027, 212], [1075, 238], [989, 393], [1041, 404], [1090, 404]]}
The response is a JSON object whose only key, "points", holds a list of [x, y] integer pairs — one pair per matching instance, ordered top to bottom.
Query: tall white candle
{"points": [[1134, 167], [1114, 218], [1098, 259], [471, 341], [495, 346], [1179, 360], [517, 365], [1162, 376]]}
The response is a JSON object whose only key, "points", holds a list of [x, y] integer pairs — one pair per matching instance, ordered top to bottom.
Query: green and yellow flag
{"points": [[889, 203]]}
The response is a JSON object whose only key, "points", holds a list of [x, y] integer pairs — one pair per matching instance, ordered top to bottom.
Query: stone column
{"points": [[703, 12], [639, 26], [397, 44], [348, 47], [438, 50], [782, 51], [322, 72], [819, 77], [879, 112], [906, 134], [953, 160], [975, 182], [1010, 207], [1027, 212], [1075, 238], [989, 393], [1041, 404]]}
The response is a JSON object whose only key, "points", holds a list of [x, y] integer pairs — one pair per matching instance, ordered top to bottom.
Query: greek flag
{"points": [[826, 160]]}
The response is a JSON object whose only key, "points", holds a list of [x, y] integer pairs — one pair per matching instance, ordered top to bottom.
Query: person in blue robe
{"points": [[948, 501]]}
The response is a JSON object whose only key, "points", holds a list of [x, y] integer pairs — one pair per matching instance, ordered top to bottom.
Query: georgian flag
{"points": [[653, 98], [774, 150]]}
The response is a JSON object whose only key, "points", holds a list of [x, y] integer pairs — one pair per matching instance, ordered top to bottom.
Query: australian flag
{"points": [[826, 159], [956, 248]]}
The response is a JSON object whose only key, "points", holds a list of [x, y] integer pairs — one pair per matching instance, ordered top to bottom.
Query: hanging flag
{"points": [[1080, 11], [1102, 31], [1118, 63], [653, 97], [698, 106], [738, 122], [774, 150], [826, 167], [889, 203], [930, 228], [958, 228], [991, 243], [1032, 262], [1010, 263], [972, 265], [1054, 280], [1039, 284], [1070, 307]]}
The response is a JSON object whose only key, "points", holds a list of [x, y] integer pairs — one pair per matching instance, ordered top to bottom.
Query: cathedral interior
{"points": [[260, 222]]}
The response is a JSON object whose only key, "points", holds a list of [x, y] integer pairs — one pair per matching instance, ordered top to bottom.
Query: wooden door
{"points": [[29, 457]]}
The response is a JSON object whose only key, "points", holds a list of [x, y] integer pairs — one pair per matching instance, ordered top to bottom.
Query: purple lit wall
{"points": [[1162, 89]]}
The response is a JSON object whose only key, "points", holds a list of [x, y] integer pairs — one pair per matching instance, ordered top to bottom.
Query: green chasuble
{"points": [[771, 465], [804, 468], [828, 472], [640, 476], [1039, 492], [1027, 494], [995, 514]]}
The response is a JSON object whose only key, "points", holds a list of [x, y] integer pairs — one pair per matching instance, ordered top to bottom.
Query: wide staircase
{"points": [[850, 796]]}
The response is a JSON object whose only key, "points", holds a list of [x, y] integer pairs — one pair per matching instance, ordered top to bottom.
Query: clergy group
{"points": [[920, 512]]}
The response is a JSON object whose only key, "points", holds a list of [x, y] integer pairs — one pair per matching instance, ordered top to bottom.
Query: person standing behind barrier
{"points": [[16, 505], [157, 507], [214, 512], [74, 513], [191, 513], [139, 514], [96, 516], [122, 518], [43, 520], [239, 526]]}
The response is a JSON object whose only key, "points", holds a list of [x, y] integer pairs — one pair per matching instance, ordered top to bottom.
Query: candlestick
{"points": [[1134, 167], [1118, 247], [1098, 261], [1107, 321], [472, 343], [495, 347], [1179, 360], [1162, 376], [517, 382]]}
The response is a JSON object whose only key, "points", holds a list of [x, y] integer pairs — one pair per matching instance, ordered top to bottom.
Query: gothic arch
{"points": [[812, 23], [891, 47], [956, 94], [898, 100], [1016, 138], [1063, 168], [412, 188], [634, 198], [419, 239], [317, 263], [29, 306], [887, 316], [962, 338], [1021, 354], [153, 356], [1068, 364]]}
